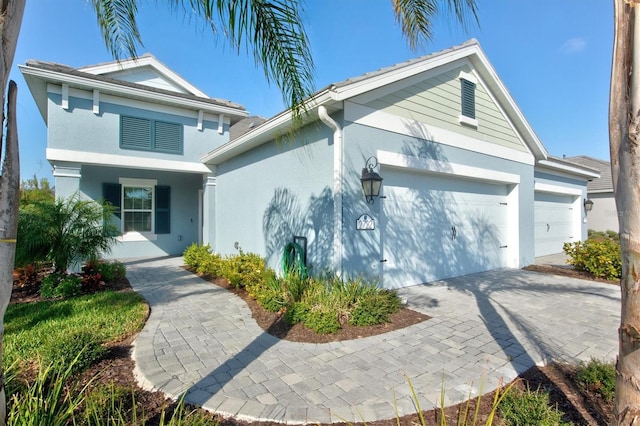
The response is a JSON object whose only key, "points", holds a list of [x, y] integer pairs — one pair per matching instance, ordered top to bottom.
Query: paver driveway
{"points": [[201, 340]]}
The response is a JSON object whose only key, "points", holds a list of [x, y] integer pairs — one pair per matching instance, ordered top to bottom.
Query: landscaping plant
{"points": [[64, 232], [599, 256], [598, 376]]}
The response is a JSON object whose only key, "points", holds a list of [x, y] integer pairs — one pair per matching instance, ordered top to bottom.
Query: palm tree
{"points": [[271, 30]]}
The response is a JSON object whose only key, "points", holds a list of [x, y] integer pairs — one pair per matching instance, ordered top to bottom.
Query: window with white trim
{"points": [[141, 207], [137, 209]]}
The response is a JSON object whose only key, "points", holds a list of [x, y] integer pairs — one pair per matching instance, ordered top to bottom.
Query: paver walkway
{"points": [[201, 340]]}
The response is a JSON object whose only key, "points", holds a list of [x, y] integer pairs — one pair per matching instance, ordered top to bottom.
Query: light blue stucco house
{"points": [[467, 185]]}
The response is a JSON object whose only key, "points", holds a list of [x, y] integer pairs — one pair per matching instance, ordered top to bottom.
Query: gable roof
{"points": [[119, 71], [38, 74], [333, 96], [605, 182]]}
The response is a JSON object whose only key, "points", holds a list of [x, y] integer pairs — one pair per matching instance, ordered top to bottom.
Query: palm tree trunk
{"points": [[11, 12], [624, 136]]}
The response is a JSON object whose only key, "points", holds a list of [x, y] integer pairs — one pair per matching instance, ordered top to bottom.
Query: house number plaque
{"points": [[365, 223]]}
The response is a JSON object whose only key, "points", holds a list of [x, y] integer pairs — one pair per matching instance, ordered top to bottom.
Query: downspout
{"points": [[337, 187]]}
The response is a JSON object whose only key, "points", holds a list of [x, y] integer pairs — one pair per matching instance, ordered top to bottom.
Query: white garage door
{"points": [[554, 222], [438, 227]]}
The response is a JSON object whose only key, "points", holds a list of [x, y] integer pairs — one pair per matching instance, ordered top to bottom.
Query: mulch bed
{"points": [[580, 406]]}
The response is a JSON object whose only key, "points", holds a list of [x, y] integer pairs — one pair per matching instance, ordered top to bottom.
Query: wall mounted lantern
{"points": [[371, 181], [588, 205]]}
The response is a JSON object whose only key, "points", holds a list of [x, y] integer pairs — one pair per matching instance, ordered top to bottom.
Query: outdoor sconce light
{"points": [[371, 181], [588, 205]]}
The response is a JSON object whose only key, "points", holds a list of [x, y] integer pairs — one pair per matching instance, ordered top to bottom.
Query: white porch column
{"points": [[67, 180], [209, 210]]}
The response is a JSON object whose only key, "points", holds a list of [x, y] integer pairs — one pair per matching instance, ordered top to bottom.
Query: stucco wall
{"points": [[79, 129], [266, 196], [604, 216]]}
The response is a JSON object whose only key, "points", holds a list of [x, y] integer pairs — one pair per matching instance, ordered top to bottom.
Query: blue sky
{"points": [[553, 56]]}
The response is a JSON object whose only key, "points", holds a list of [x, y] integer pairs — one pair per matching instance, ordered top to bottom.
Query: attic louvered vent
{"points": [[468, 98], [150, 135]]}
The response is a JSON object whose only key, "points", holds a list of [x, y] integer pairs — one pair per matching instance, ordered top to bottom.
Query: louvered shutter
{"points": [[468, 98], [135, 133], [168, 137], [112, 194], [162, 210]]}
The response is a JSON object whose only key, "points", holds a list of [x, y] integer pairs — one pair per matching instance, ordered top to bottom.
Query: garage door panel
{"points": [[554, 223], [435, 228]]}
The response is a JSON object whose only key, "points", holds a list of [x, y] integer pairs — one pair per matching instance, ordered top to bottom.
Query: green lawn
{"points": [[32, 327]]}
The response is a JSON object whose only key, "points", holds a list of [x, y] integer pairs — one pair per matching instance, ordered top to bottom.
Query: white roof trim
{"points": [[142, 61], [126, 91], [343, 91], [113, 160], [569, 169], [556, 189]]}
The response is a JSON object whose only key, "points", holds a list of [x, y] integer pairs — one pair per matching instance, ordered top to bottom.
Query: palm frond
{"points": [[416, 17], [117, 22], [274, 32]]}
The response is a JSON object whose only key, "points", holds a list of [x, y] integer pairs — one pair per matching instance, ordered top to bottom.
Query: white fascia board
{"points": [[146, 60], [129, 92], [140, 104], [365, 116], [269, 130], [124, 161], [424, 165], [568, 169], [556, 189]]}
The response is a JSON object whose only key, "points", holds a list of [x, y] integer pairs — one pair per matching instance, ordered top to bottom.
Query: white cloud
{"points": [[573, 45]]}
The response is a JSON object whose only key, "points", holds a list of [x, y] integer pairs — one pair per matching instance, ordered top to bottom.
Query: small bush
{"points": [[195, 255], [601, 257], [212, 265], [244, 269], [112, 271], [60, 285], [269, 293], [375, 309], [296, 313], [322, 320], [82, 347], [598, 376], [529, 408]]}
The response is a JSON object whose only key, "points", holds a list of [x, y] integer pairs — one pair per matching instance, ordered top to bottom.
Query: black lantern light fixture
{"points": [[371, 181], [588, 205]]}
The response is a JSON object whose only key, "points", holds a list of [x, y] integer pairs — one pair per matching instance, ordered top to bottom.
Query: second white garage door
{"points": [[554, 222], [436, 227]]}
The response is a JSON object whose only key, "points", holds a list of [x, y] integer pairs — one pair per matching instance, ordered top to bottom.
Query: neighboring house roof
{"points": [[38, 74], [333, 96], [245, 125], [605, 182]]}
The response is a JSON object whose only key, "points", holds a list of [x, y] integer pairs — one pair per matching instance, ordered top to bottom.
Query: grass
{"points": [[32, 327], [529, 407]]}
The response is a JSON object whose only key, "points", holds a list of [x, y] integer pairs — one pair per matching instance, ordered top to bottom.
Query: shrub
{"points": [[64, 232], [195, 255], [602, 258], [212, 265], [244, 269], [112, 271], [60, 285], [269, 293], [375, 308], [296, 313], [322, 320], [82, 347], [598, 376], [529, 407]]}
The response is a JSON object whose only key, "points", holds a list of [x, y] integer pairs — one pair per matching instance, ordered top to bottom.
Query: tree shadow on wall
{"points": [[286, 217]]}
